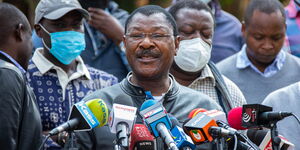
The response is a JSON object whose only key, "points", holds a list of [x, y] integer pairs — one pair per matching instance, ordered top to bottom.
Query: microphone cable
{"points": [[296, 117], [44, 141], [235, 142]]}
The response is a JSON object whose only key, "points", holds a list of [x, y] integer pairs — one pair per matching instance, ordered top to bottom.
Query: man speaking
{"points": [[151, 41]]}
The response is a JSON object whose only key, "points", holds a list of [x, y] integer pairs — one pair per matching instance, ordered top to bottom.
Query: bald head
{"points": [[11, 18], [15, 34]]}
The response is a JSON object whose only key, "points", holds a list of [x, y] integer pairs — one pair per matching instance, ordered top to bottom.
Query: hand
{"points": [[106, 24], [59, 139]]}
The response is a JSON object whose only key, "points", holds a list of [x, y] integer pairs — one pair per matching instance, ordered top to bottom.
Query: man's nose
{"points": [[146, 43]]}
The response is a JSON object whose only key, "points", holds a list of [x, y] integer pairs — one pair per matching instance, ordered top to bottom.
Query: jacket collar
{"points": [[139, 92]]}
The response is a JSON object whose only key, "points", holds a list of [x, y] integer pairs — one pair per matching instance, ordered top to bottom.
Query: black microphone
{"points": [[257, 115], [274, 116], [262, 138]]}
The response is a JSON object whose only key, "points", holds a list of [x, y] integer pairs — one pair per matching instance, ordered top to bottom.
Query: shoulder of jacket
{"points": [[7, 65]]}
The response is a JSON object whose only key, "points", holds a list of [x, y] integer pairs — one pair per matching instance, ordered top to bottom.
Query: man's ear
{"points": [[243, 29], [38, 30], [20, 32], [124, 40], [177, 41]]}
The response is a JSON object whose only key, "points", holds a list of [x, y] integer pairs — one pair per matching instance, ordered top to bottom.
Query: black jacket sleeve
{"points": [[12, 94]]}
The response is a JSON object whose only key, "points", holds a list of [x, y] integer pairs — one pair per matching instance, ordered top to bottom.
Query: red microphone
{"points": [[235, 118], [141, 138]]}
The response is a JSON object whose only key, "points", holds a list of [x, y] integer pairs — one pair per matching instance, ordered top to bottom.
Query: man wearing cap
{"points": [[103, 35], [56, 73]]}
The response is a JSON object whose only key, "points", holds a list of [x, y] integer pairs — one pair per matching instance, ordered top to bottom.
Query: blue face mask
{"points": [[65, 45]]}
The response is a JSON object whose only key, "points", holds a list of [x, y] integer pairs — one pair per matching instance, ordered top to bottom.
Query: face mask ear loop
{"points": [[44, 29], [43, 39]]}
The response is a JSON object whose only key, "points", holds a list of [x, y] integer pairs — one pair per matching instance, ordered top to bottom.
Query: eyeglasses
{"points": [[153, 36]]}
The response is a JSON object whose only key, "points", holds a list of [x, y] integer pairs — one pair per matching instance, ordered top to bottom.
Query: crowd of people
{"points": [[189, 55]]}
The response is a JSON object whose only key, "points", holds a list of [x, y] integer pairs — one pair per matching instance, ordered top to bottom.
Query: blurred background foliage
{"points": [[235, 7]]}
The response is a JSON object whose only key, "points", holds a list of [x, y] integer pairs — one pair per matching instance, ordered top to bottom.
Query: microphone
{"points": [[195, 111], [215, 114], [257, 115], [218, 116], [82, 117], [122, 118], [235, 118], [158, 121], [203, 128], [258, 137], [141, 138], [263, 139], [182, 141]]}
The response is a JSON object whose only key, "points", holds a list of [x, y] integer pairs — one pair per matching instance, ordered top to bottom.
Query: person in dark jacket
{"points": [[20, 119]]}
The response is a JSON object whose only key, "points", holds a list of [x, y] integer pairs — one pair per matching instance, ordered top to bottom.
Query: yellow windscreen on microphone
{"points": [[99, 109]]}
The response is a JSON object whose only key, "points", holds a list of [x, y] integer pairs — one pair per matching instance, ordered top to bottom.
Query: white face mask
{"points": [[192, 55]]}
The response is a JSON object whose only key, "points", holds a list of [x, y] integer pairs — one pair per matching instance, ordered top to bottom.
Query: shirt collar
{"points": [[292, 9], [243, 60], [13, 61], [44, 65], [206, 73]]}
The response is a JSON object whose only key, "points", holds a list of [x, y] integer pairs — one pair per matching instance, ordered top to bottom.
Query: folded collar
{"points": [[44, 65], [206, 73]]}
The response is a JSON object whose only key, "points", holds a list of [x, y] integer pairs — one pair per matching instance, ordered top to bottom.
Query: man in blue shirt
{"points": [[262, 66], [56, 72], [20, 119]]}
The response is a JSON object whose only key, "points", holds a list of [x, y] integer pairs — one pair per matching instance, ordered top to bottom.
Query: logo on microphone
{"points": [[83, 108], [153, 112], [249, 115], [196, 135]]}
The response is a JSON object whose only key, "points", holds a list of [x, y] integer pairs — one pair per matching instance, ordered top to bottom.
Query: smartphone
{"points": [[94, 3]]}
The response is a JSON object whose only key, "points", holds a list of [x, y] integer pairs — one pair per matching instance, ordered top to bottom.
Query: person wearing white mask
{"points": [[192, 66]]}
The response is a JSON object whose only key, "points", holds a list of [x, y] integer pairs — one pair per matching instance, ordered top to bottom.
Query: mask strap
{"points": [[44, 28], [43, 39], [45, 45]]}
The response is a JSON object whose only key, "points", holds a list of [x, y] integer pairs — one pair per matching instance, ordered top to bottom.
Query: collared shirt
{"points": [[293, 28], [13, 61], [244, 62], [206, 83], [56, 92]]}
